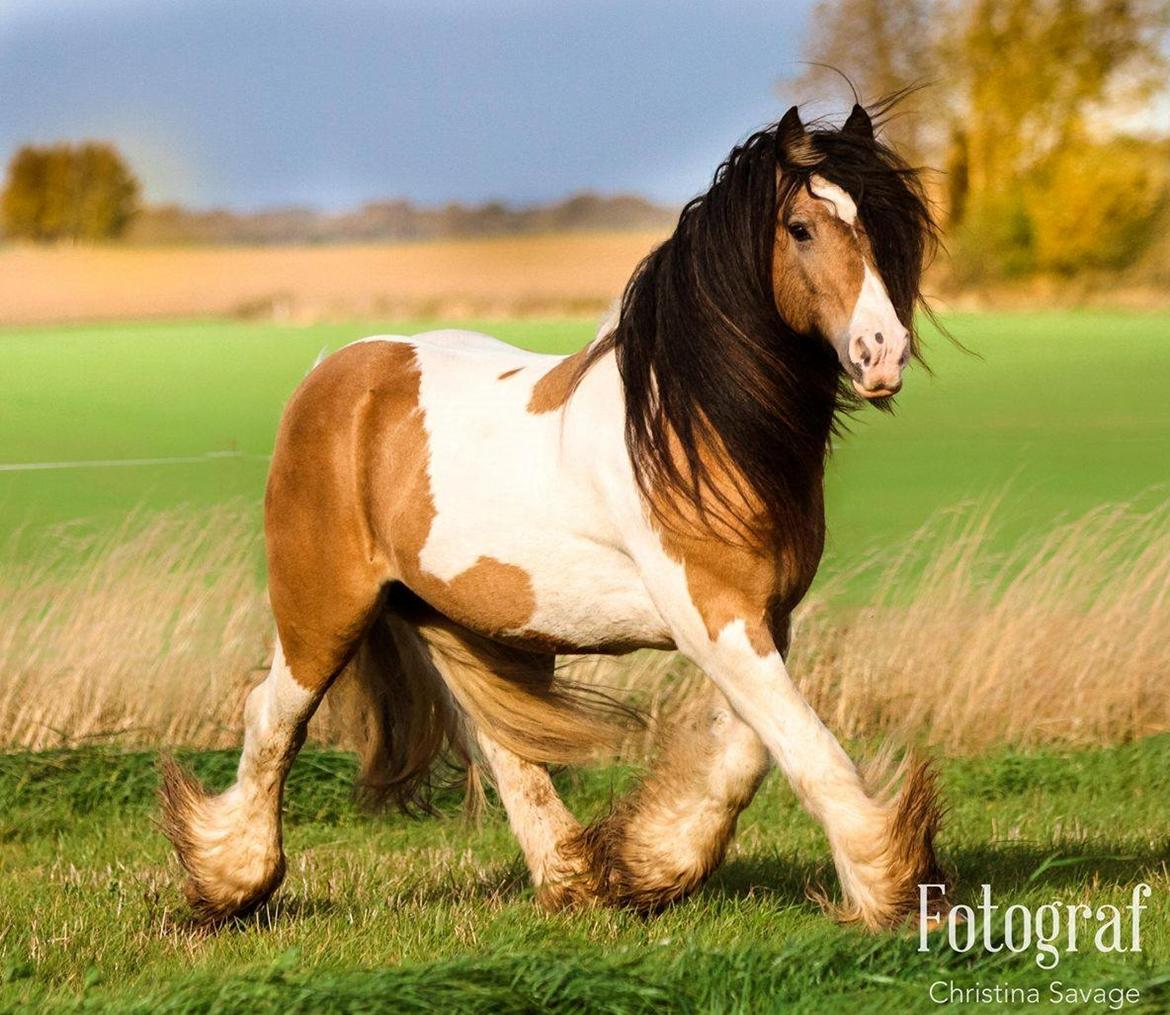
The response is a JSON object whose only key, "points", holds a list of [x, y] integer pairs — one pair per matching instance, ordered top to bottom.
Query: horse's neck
{"points": [[804, 470]]}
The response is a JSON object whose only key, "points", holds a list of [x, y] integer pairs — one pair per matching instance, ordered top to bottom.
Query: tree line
{"points": [[88, 192]]}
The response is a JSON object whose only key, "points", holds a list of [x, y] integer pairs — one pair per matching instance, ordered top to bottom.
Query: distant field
{"points": [[505, 276], [1058, 412]]}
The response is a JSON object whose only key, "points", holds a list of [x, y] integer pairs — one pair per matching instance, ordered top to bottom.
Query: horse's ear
{"points": [[859, 124], [788, 131]]}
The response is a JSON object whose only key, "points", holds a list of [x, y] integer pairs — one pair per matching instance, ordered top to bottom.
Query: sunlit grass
{"points": [[383, 913]]}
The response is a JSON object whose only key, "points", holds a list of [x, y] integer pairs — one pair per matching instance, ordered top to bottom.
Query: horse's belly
{"points": [[561, 593], [599, 603]]}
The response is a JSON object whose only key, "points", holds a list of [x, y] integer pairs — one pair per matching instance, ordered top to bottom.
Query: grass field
{"points": [[1060, 412], [131, 610], [384, 914]]}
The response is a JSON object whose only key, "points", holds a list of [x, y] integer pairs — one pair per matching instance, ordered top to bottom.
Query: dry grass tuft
{"points": [[151, 634], [154, 634], [1066, 639]]}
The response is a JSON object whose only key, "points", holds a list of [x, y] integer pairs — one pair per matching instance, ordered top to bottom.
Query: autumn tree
{"points": [[882, 47], [1017, 91], [58, 192]]}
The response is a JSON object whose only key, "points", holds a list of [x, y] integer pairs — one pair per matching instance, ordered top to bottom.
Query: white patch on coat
{"points": [[842, 204], [874, 311], [530, 489]]}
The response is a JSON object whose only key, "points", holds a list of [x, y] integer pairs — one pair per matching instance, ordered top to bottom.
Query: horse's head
{"points": [[825, 275]]}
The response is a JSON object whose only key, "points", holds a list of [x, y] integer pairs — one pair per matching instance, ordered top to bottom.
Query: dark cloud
{"points": [[251, 102]]}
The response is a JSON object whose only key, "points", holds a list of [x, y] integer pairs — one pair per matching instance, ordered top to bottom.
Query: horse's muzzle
{"points": [[876, 362], [879, 392]]}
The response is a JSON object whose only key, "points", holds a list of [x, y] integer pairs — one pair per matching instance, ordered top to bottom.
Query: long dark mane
{"points": [[714, 377]]}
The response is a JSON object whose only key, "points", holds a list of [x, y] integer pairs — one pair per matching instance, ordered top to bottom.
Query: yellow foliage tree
{"points": [[1018, 90], [68, 192], [1095, 206]]}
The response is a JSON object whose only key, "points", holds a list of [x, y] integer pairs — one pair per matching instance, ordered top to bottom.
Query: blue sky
{"points": [[250, 103]]}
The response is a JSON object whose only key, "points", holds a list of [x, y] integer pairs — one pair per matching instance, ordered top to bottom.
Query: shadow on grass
{"points": [[1022, 866], [1011, 867], [784, 879], [497, 885]]}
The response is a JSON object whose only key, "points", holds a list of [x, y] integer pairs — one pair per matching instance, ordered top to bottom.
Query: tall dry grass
{"points": [[153, 635], [1064, 639]]}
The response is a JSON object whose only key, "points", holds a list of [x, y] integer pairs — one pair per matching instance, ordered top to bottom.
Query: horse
{"points": [[445, 513]]}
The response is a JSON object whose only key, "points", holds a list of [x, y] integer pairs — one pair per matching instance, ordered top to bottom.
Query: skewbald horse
{"points": [[445, 513]]}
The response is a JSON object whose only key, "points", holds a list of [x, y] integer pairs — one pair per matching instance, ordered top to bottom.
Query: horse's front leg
{"points": [[662, 841], [882, 841]]}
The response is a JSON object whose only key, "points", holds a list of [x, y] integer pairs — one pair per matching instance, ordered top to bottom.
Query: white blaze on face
{"points": [[844, 207], [876, 345]]}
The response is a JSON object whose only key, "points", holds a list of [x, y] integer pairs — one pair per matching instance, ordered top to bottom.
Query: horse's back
{"points": [[475, 345]]}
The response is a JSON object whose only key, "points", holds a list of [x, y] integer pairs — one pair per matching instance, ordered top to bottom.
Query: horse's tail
{"points": [[407, 696], [392, 707]]}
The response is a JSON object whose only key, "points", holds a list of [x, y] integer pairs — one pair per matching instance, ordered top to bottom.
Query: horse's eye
{"points": [[799, 232]]}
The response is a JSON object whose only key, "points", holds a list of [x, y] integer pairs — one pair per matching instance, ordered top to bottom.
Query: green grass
{"points": [[1063, 410], [436, 915]]}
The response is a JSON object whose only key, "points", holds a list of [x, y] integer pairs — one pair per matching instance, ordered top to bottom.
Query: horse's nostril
{"points": [[878, 338]]}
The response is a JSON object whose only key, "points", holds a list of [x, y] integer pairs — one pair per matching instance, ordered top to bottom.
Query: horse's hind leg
{"points": [[325, 587], [537, 816], [540, 821], [661, 843], [231, 844]]}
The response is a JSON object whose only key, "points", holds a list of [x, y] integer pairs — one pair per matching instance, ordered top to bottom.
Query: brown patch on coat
{"points": [[802, 296], [509, 373], [552, 390], [349, 508], [326, 567], [730, 575], [726, 583], [500, 592], [539, 794], [661, 842]]}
